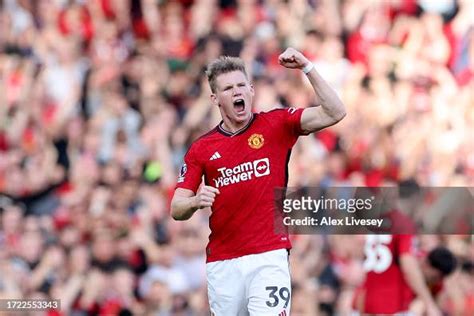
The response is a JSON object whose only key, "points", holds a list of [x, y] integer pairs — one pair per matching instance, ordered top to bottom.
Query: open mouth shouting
{"points": [[239, 106]]}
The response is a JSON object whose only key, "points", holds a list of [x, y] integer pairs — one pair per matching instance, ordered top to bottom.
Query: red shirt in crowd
{"points": [[386, 291]]}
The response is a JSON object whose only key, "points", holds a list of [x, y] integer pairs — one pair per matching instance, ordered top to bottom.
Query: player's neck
{"points": [[233, 127]]}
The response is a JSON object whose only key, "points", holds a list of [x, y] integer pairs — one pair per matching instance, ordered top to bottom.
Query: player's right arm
{"points": [[190, 195], [185, 202]]}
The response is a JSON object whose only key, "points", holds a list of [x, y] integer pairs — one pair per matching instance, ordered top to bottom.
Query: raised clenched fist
{"points": [[291, 58]]}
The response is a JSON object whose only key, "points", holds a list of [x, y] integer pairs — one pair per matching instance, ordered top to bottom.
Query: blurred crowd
{"points": [[100, 99]]}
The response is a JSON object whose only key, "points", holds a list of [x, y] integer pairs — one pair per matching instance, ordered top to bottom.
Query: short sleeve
{"points": [[292, 118], [288, 123], [190, 174], [407, 244]]}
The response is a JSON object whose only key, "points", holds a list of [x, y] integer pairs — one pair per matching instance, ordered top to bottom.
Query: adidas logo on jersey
{"points": [[215, 156], [244, 172]]}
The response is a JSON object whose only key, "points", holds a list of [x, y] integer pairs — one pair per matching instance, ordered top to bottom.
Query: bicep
{"points": [[314, 119], [407, 259], [408, 265]]}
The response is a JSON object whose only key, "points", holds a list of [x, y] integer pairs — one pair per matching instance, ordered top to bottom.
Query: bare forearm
{"points": [[326, 97], [185, 203], [182, 208]]}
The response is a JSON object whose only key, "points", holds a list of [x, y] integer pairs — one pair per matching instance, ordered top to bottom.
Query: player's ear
{"points": [[252, 90], [214, 100]]}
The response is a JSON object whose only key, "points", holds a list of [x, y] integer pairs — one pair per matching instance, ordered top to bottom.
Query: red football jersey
{"points": [[246, 167], [386, 291]]}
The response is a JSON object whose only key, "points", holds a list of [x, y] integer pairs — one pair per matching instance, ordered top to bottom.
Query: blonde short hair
{"points": [[222, 65]]}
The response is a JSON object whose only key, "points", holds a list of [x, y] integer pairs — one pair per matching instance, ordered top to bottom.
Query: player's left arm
{"points": [[330, 110]]}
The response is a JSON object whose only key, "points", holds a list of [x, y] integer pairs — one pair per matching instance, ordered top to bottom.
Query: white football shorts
{"points": [[256, 285]]}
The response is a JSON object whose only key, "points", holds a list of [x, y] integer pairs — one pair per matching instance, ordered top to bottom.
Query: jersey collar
{"points": [[240, 131]]}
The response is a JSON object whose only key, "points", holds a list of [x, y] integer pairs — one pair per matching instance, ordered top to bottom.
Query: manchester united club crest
{"points": [[256, 141]]}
